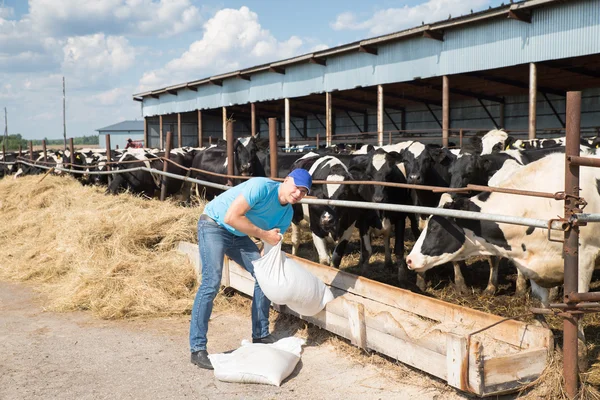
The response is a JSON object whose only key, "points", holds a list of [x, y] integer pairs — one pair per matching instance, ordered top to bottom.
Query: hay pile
{"points": [[112, 255]]}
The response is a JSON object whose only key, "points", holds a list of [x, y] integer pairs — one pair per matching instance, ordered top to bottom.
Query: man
{"points": [[129, 143], [259, 207]]}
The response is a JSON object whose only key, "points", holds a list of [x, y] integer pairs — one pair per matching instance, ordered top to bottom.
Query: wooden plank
{"points": [[191, 251], [356, 320], [388, 322], [513, 332], [403, 351], [408, 353], [457, 360], [506, 373]]}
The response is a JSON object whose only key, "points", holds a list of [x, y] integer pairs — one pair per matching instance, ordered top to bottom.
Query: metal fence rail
{"points": [[507, 219]]}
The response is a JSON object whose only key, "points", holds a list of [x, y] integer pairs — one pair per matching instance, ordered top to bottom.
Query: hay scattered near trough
{"points": [[112, 255]]}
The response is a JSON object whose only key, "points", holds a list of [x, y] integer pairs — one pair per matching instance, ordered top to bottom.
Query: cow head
{"points": [[493, 141], [243, 159], [421, 165], [381, 167], [468, 169], [447, 239]]}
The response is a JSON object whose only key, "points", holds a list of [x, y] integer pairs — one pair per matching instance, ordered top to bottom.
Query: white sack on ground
{"points": [[285, 282], [269, 364]]}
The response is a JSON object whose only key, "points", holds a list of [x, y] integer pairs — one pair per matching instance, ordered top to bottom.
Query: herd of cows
{"points": [[493, 159]]}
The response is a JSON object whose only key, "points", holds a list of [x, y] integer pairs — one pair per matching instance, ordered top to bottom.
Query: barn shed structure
{"points": [[507, 67], [122, 131]]}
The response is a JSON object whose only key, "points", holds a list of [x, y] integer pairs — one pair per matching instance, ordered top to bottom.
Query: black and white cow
{"points": [[214, 159], [381, 166], [327, 223], [450, 239]]}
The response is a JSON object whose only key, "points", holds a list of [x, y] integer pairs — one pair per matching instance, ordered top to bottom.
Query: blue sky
{"points": [[108, 50]]}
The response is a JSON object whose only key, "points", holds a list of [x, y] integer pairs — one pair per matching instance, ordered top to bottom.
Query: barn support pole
{"points": [[532, 99], [286, 103], [380, 107], [445, 109], [556, 114], [501, 117], [253, 119], [403, 121], [354, 122], [225, 123], [305, 127], [199, 128], [328, 128], [160, 132], [179, 134], [146, 141], [273, 146], [31, 150], [44, 150], [20, 151], [72, 151], [108, 158], [230, 158], [163, 180], [571, 245]]}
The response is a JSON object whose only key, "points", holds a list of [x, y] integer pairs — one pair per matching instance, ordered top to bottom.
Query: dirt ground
{"points": [[76, 356]]}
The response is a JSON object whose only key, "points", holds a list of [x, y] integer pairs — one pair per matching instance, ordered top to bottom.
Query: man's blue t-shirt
{"points": [[266, 211]]}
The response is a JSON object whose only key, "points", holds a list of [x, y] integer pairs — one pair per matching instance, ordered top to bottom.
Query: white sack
{"points": [[285, 282], [269, 364]]}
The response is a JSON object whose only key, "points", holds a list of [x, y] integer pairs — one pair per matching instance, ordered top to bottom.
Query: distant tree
{"points": [[13, 141], [77, 141]]}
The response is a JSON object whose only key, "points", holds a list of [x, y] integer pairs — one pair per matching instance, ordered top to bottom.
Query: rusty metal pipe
{"points": [[273, 146], [72, 150], [230, 156], [108, 158], [583, 161], [163, 181], [511, 191], [571, 244], [575, 297]]}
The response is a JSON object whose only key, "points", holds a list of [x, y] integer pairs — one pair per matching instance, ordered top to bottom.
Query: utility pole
{"points": [[64, 118], [5, 127]]}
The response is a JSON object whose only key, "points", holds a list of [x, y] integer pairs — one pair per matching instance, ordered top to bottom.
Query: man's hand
{"points": [[272, 237]]}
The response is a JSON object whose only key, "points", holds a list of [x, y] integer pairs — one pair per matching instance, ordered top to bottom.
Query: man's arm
{"points": [[236, 218]]}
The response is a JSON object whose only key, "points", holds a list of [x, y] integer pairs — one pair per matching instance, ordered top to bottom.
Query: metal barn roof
{"points": [[499, 41], [124, 126]]}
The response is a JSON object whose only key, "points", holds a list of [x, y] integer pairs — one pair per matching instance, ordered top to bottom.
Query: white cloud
{"points": [[6, 12], [139, 17], [395, 19], [232, 39], [95, 56], [112, 97]]}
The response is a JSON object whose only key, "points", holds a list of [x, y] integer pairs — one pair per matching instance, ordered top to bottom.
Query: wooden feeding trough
{"points": [[442, 339]]}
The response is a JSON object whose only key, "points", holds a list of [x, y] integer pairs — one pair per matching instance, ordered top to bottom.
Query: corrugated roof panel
{"points": [[560, 30], [124, 126]]}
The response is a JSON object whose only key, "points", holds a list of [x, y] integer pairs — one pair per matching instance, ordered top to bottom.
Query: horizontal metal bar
{"points": [[584, 161], [152, 171], [493, 189], [583, 217], [507, 219], [581, 297]]}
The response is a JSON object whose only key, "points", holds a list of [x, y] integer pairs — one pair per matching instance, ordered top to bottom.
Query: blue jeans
{"points": [[214, 242]]}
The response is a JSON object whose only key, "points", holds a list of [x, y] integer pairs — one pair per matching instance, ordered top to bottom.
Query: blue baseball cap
{"points": [[301, 178]]}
